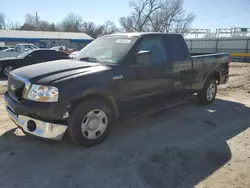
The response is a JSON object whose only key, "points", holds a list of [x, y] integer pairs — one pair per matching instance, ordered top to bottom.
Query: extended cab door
{"points": [[179, 64]]}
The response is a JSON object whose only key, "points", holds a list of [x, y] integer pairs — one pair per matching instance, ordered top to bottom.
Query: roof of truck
{"points": [[138, 34]]}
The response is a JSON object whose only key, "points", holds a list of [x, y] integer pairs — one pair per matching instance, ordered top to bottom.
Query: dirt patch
{"points": [[3, 88], [185, 146]]}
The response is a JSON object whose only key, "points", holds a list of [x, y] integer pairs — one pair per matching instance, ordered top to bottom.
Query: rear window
{"points": [[175, 47]]}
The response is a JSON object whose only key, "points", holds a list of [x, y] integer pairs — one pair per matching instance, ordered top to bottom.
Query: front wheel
{"points": [[7, 70], [208, 93], [90, 122]]}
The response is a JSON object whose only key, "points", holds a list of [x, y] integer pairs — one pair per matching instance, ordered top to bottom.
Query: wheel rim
{"points": [[7, 70], [211, 92], [94, 124]]}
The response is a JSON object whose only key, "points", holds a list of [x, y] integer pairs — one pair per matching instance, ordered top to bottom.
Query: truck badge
{"points": [[12, 87]]}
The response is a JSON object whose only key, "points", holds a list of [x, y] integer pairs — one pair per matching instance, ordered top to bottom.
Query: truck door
{"points": [[179, 64], [144, 81]]}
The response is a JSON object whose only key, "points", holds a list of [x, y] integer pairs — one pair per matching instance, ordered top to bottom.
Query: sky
{"points": [[210, 14]]}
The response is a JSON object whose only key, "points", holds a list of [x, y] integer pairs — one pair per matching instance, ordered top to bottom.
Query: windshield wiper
{"points": [[92, 59]]}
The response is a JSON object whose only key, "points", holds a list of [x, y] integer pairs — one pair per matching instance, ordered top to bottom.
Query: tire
{"points": [[7, 69], [207, 95], [90, 122]]}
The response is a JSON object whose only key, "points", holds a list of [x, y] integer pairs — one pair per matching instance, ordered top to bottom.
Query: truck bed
{"points": [[197, 55]]}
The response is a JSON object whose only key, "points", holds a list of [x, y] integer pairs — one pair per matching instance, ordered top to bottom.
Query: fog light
{"points": [[31, 126]]}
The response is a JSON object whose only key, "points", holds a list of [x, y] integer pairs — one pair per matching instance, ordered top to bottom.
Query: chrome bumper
{"points": [[41, 128]]}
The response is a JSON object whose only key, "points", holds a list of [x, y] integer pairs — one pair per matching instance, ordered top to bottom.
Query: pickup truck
{"points": [[19, 49], [111, 76]]}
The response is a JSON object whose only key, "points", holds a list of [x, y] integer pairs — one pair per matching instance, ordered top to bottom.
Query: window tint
{"points": [[156, 46], [175, 48], [36, 54], [43, 54], [50, 54], [61, 54]]}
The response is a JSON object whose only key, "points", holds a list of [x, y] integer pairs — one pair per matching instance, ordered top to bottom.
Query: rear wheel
{"points": [[208, 93], [90, 122]]}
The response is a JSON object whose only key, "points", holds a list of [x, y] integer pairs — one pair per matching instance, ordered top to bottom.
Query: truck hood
{"points": [[56, 71]]}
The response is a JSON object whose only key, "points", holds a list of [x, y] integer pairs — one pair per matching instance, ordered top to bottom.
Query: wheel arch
{"points": [[215, 74], [110, 100]]}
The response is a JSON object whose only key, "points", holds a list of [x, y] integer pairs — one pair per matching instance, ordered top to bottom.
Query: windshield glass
{"points": [[109, 49], [23, 55]]}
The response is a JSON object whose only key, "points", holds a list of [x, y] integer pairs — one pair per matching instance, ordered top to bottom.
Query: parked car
{"points": [[61, 48], [19, 49], [73, 54], [29, 58], [112, 75]]}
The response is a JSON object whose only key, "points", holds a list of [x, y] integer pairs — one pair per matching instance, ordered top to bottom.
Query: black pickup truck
{"points": [[113, 75]]}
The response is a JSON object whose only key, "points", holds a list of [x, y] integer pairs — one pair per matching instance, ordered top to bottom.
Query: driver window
{"points": [[155, 45]]}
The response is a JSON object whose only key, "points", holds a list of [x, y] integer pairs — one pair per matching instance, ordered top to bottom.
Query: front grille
{"points": [[15, 87]]}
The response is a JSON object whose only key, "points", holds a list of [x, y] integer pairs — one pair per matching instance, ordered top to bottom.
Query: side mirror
{"points": [[144, 57]]}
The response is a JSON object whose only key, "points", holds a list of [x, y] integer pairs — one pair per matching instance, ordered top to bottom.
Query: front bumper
{"points": [[50, 112], [39, 119], [37, 127]]}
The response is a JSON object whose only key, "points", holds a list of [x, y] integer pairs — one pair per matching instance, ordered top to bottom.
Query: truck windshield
{"points": [[108, 49]]}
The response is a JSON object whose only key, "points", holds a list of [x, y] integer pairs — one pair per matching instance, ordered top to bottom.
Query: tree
{"points": [[140, 15], [158, 16], [171, 17], [2, 20], [32, 20], [34, 23], [72, 23], [13, 26], [28, 27], [52, 27], [109, 27], [95, 31]]}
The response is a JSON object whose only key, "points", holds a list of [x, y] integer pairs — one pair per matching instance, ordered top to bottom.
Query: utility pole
{"points": [[36, 21]]}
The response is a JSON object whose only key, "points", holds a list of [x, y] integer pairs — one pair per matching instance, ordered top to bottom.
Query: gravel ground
{"points": [[186, 146]]}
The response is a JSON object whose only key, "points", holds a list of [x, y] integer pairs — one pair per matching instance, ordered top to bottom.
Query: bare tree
{"points": [[141, 13], [171, 17], [2, 20], [32, 20], [34, 23], [72, 23], [184, 23], [13, 26], [52, 27], [109, 27], [91, 29], [95, 31]]}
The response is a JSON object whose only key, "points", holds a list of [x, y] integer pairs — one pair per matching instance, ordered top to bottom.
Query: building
{"points": [[45, 39]]}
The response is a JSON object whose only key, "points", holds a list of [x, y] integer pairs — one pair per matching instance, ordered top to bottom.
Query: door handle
{"points": [[118, 77]]}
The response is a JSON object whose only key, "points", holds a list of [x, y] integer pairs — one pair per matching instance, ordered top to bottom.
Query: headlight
{"points": [[42, 93]]}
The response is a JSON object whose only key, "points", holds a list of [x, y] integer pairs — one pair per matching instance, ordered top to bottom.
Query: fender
{"points": [[215, 74], [104, 94]]}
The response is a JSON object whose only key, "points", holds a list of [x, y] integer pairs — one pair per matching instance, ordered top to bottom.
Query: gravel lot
{"points": [[185, 146]]}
